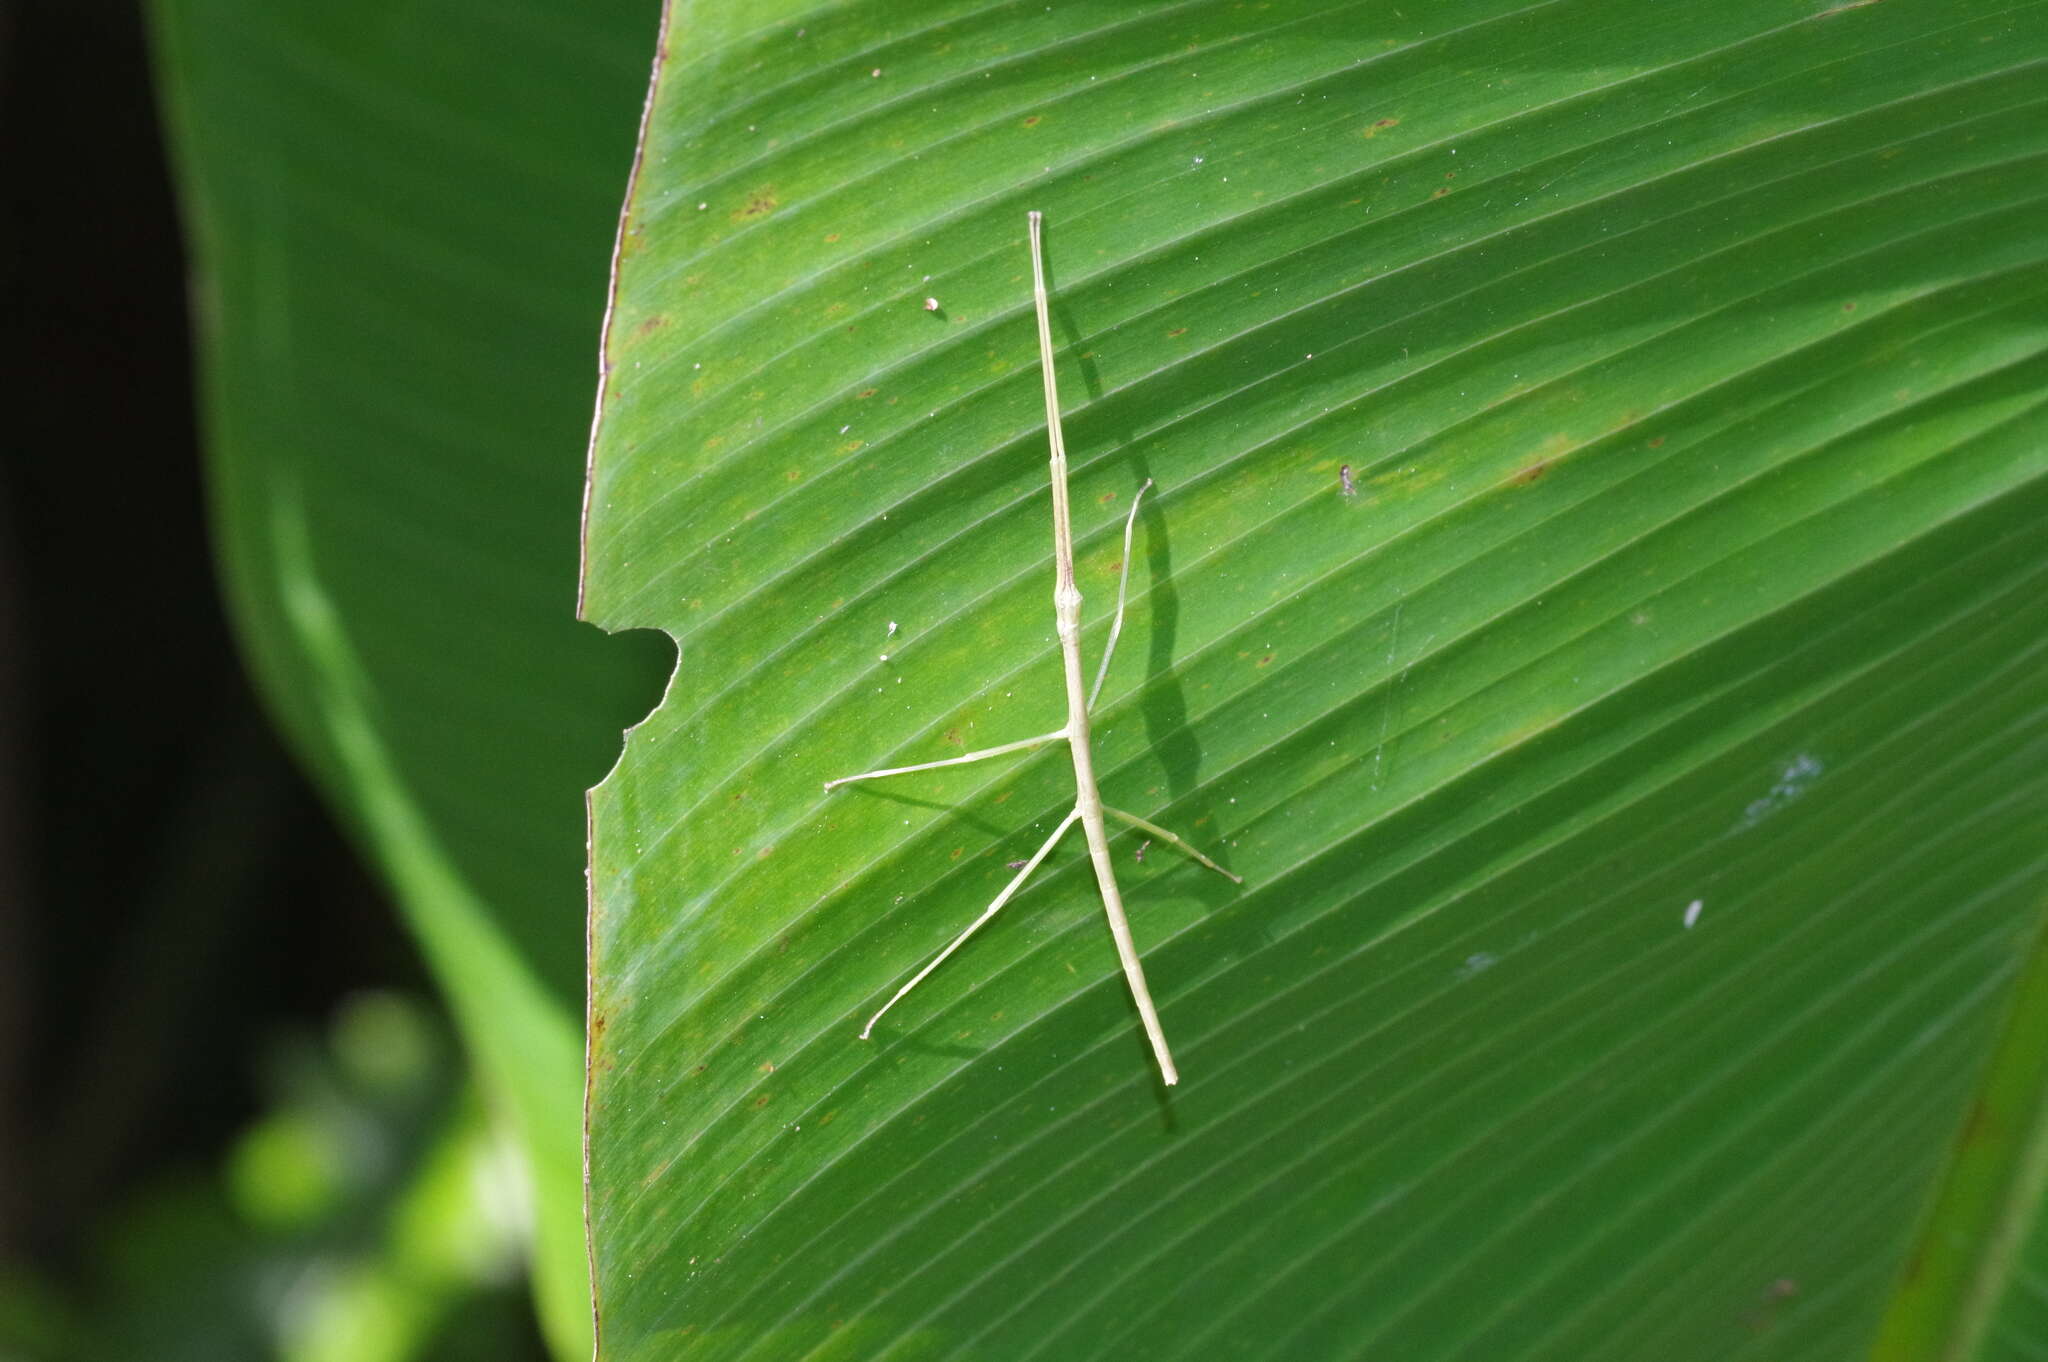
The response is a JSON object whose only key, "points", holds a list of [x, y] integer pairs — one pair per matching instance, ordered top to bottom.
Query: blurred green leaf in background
{"points": [[399, 219], [188, 1168]]}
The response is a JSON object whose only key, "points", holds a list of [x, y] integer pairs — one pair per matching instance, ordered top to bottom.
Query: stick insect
{"points": [[1089, 810]]}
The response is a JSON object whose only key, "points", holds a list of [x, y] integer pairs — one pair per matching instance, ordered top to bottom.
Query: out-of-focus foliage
{"points": [[400, 215], [370, 1215]]}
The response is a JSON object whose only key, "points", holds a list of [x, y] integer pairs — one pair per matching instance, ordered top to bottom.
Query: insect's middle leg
{"points": [[1176, 843]]}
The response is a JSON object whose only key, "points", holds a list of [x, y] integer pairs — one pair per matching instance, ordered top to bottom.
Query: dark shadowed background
{"points": [[188, 949]]}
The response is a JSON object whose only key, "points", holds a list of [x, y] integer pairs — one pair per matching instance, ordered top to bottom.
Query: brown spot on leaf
{"points": [[1031, 122], [1379, 126], [1438, 193], [759, 204], [1849, 307], [654, 323], [1177, 331], [865, 393], [1656, 442], [1528, 475], [761, 1101]]}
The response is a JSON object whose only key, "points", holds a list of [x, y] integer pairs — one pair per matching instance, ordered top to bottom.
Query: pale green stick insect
{"points": [[1089, 810]]}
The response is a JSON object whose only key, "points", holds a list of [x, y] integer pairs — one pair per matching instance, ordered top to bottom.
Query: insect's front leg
{"points": [[1123, 591], [1023, 744]]}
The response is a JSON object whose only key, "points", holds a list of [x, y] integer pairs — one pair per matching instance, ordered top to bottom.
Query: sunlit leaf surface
{"points": [[1593, 594]]}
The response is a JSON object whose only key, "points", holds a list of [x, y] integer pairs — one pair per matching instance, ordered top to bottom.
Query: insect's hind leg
{"points": [[1010, 889]]}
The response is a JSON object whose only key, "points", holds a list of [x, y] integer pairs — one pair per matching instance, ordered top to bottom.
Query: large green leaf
{"points": [[399, 214], [1637, 782]]}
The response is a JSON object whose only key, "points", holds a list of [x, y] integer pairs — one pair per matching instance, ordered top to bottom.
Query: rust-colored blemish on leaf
{"points": [[1031, 122], [1379, 126], [1438, 193], [760, 203], [831, 237], [1849, 306], [651, 324], [1177, 331], [866, 393], [1656, 442], [1525, 476], [1265, 660], [953, 737], [958, 852], [599, 1019], [767, 1066], [761, 1101], [1975, 1125]]}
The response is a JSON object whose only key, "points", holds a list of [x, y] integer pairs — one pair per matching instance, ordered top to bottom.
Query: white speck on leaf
{"points": [[1794, 781]]}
